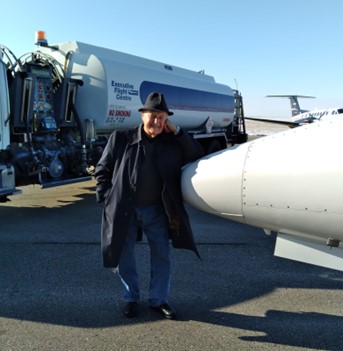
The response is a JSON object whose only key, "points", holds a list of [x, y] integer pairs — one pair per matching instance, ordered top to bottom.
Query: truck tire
{"points": [[213, 146]]}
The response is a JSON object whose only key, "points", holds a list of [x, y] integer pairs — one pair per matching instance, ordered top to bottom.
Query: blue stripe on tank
{"points": [[179, 98]]}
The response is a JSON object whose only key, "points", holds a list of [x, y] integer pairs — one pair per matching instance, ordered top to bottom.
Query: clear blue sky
{"points": [[266, 46]]}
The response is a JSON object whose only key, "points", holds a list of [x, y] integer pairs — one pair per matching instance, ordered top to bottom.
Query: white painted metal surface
{"points": [[114, 84], [4, 109], [289, 182], [308, 252]]}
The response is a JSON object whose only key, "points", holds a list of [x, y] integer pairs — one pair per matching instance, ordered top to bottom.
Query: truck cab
{"points": [[7, 176]]}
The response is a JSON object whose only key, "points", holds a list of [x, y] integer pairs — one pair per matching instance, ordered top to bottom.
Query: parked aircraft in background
{"points": [[300, 116], [305, 116], [290, 182]]}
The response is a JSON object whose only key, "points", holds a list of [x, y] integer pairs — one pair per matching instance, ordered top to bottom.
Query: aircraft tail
{"points": [[295, 107]]}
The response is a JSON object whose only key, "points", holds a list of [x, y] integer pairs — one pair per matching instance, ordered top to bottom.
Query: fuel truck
{"points": [[59, 104]]}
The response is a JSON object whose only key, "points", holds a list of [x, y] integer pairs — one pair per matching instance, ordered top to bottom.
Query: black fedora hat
{"points": [[156, 102]]}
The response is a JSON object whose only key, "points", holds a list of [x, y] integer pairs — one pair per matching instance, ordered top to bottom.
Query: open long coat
{"points": [[116, 175]]}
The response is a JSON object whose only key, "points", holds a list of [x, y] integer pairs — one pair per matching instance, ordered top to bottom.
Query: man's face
{"points": [[154, 122]]}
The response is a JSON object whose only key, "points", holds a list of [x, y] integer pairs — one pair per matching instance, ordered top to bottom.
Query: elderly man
{"points": [[138, 178]]}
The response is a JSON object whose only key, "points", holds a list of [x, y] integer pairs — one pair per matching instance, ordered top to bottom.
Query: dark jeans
{"points": [[153, 220]]}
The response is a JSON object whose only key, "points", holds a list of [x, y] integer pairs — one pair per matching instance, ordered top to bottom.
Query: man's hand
{"points": [[169, 127]]}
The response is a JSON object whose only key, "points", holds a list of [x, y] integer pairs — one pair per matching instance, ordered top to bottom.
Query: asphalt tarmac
{"points": [[55, 294]]}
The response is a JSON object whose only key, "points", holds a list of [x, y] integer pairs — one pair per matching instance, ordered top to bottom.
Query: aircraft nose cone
{"points": [[214, 183]]}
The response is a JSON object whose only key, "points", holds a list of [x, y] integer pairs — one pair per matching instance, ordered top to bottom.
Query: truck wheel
{"points": [[213, 146]]}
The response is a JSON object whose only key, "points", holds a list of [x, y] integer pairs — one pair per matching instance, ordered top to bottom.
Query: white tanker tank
{"points": [[115, 86], [65, 100]]}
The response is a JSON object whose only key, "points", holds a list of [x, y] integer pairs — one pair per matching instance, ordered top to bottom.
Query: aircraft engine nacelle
{"points": [[289, 182]]}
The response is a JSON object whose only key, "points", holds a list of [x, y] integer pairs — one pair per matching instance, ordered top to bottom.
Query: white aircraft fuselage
{"points": [[316, 115], [300, 116], [289, 182]]}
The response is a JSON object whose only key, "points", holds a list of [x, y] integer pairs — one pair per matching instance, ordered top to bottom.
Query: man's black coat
{"points": [[116, 175]]}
